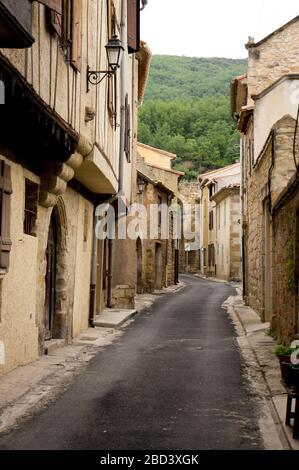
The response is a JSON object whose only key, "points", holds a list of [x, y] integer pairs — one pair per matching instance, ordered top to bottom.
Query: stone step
{"points": [[113, 318]]}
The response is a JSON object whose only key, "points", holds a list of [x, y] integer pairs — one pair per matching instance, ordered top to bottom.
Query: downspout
{"points": [[123, 38], [243, 265], [93, 281]]}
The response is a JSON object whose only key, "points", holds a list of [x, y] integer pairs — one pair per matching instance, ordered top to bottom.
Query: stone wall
{"points": [[273, 58], [256, 183], [265, 184], [150, 196], [285, 282], [18, 288], [22, 290]]}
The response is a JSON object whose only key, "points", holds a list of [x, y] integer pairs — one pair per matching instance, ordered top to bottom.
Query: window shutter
{"points": [[54, 5], [56, 17], [133, 26], [110, 31], [76, 53], [127, 130], [5, 196]]}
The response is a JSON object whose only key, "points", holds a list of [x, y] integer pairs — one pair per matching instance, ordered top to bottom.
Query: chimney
{"points": [[250, 42]]}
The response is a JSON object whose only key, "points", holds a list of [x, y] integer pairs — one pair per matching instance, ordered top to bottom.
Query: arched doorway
{"points": [[51, 258], [139, 266], [158, 281], [58, 303]]}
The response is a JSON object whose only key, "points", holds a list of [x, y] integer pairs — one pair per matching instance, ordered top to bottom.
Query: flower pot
{"points": [[284, 360], [290, 375]]}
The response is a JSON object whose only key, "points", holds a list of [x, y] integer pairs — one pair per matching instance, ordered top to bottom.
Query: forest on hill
{"points": [[187, 111]]}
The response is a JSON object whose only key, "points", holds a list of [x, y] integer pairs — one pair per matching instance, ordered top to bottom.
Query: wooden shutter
{"points": [[54, 5], [56, 18], [110, 19], [133, 26], [110, 32], [76, 52], [127, 130], [5, 197]]}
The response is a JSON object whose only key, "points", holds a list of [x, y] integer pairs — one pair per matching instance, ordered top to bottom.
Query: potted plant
{"points": [[284, 353], [289, 371]]}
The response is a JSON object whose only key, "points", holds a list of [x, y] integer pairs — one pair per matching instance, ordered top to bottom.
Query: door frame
{"points": [[50, 279]]}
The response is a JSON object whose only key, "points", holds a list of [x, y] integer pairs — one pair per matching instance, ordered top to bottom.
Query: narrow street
{"points": [[173, 381]]}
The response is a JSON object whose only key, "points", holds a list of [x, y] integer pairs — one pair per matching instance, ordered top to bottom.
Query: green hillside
{"points": [[186, 111]]}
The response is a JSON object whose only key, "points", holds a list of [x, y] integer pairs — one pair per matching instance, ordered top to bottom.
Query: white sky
{"points": [[212, 28]]}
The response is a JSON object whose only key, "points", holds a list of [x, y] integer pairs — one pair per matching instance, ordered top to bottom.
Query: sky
{"points": [[212, 28]]}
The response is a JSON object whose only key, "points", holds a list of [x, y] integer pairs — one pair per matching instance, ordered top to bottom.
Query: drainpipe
{"points": [[123, 38], [243, 266], [93, 280]]}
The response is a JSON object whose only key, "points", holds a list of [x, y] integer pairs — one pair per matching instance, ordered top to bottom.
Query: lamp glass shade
{"points": [[114, 51], [141, 186]]}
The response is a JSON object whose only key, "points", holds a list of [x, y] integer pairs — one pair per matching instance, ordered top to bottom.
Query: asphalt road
{"points": [[172, 381]]}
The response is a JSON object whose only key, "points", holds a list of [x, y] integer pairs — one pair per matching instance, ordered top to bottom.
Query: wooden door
{"points": [[158, 267], [50, 281]]}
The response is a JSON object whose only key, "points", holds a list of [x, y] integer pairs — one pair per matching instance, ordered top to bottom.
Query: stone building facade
{"points": [[266, 106], [66, 146], [157, 184], [220, 214], [227, 233], [190, 243]]}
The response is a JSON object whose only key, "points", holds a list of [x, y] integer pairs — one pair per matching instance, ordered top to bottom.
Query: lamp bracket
{"points": [[95, 77]]}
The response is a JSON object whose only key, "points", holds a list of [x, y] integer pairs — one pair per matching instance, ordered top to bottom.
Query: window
{"points": [[67, 22], [133, 26], [127, 130], [5, 202], [30, 215], [211, 256]]}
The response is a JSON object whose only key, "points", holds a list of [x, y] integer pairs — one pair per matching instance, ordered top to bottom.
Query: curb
{"points": [[285, 442]]}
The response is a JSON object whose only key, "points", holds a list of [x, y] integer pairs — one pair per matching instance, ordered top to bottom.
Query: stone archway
{"points": [[60, 326]]}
